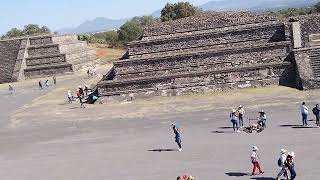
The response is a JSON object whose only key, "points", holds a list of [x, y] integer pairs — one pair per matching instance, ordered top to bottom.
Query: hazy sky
{"points": [[58, 14]]}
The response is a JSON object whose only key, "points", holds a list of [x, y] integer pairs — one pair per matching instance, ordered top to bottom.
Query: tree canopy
{"points": [[178, 10], [30, 29]]}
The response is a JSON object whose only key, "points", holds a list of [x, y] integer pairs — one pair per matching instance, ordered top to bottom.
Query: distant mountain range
{"points": [[104, 24]]}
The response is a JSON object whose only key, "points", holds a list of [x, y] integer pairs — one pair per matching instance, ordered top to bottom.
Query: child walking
{"points": [[255, 161]]}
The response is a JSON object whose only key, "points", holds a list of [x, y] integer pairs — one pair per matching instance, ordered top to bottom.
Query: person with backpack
{"points": [[316, 112], [304, 113], [234, 120], [177, 137], [255, 161], [281, 161]]}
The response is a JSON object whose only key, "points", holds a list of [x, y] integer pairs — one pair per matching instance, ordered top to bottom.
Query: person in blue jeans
{"points": [[304, 113], [234, 120], [177, 132], [290, 165]]}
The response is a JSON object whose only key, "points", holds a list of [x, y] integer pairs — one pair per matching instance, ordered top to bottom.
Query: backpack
{"points": [[315, 111], [279, 162]]}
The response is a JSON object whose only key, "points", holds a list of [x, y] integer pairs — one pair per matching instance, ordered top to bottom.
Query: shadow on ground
{"points": [[221, 132], [163, 150], [236, 174], [263, 178]]}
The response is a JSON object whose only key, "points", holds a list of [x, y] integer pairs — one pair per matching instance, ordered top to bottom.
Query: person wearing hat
{"points": [[240, 113], [304, 113], [262, 119], [234, 120], [176, 131], [255, 161], [281, 161], [289, 163]]}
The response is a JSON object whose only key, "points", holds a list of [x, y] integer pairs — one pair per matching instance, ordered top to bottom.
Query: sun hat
{"points": [[240, 106], [233, 110], [261, 111], [255, 148], [283, 151], [292, 154]]}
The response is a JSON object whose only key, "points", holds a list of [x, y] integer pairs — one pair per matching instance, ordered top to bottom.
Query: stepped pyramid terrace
{"points": [[217, 51], [40, 56]]}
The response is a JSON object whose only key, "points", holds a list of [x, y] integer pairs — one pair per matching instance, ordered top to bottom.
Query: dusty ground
{"points": [[44, 137]]}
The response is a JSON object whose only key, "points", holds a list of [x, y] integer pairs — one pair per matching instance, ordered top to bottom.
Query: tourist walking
{"points": [[54, 79], [47, 83], [40, 85], [10, 89], [70, 97], [81, 101], [316, 112], [240, 113], [304, 113], [262, 119], [234, 120], [177, 134], [255, 161], [281, 163], [289, 163]]}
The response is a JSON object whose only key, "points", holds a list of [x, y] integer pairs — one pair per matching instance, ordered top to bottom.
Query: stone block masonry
{"points": [[210, 52], [45, 55]]}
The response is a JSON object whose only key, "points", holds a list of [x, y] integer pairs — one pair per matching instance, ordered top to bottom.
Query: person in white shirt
{"points": [[304, 113], [282, 159], [255, 161]]}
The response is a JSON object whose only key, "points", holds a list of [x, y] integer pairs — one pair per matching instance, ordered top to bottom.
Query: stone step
{"points": [[212, 20], [217, 31], [270, 32], [41, 40], [42, 50], [198, 52], [45, 60], [48, 70], [114, 87]]}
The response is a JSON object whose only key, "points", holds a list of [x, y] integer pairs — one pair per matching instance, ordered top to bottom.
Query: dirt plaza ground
{"points": [[44, 137]]}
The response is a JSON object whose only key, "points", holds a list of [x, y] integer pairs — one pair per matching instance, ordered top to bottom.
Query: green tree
{"points": [[178, 10], [144, 20], [32, 29], [130, 31], [14, 32], [111, 37]]}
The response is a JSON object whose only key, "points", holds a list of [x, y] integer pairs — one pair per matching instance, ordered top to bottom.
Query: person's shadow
{"points": [[162, 150], [236, 174]]}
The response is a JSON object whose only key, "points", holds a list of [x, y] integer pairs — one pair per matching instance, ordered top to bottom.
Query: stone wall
{"points": [[204, 21], [310, 24], [264, 32], [9, 50], [78, 53], [203, 60], [308, 67], [193, 82]]}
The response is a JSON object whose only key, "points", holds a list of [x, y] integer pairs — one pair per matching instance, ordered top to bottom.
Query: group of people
{"points": [[46, 83], [81, 94], [305, 111], [237, 116], [285, 163]]}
